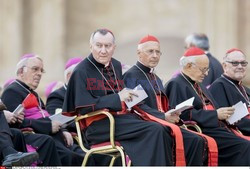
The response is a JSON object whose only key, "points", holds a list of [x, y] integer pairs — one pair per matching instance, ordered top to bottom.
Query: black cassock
{"points": [[215, 70], [88, 91], [227, 92], [55, 100], [11, 140], [193, 144], [233, 150], [51, 151]]}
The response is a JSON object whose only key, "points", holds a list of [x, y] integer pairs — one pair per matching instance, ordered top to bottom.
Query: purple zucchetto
{"points": [[28, 55], [72, 61], [8, 82], [52, 87]]}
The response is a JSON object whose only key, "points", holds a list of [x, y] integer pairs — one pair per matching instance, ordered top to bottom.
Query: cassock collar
{"points": [[91, 57], [144, 68], [188, 78], [232, 80], [25, 85]]}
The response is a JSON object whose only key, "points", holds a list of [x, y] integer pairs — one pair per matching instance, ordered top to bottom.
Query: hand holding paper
{"points": [[139, 95], [182, 106], [240, 112], [64, 120]]}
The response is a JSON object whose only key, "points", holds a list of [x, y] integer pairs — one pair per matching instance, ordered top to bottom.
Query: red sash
{"points": [[162, 104], [209, 107], [248, 116], [176, 133], [239, 134], [211, 143], [212, 149]]}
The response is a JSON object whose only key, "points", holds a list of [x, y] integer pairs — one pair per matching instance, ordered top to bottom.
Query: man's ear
{"points": [[189, 65], [224, 65]]}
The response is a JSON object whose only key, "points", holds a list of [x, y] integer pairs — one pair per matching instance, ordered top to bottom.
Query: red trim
{"points": [[176, 133], [239, 134], [212, 149]]}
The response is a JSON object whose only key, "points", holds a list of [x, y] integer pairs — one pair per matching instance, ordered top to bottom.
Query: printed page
{"points": [[141, 96], [187, 104], [19, 109], [240, 112], [61, 118]]}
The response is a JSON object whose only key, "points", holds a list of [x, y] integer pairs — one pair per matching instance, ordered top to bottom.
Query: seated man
{"points": [[29, 73], [142, 73], [96, 84], [228, 89], [55, 99], [13, 150], [233, 150]]}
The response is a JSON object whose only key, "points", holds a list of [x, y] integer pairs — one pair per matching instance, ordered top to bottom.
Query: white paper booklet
{"points": [[141, 96], [187, 104], [19, 109], [240, 112], [61, 118]]}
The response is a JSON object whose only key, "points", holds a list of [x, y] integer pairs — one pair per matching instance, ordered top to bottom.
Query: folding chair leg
{"points": [[122, 156], [86, 158], [112, 161]]}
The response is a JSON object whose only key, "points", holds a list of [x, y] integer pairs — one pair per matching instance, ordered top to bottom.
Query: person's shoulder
{"points": [[116, 62], [131, 71], [174, 81], [219, 82], [12, 87], [57, 92]]}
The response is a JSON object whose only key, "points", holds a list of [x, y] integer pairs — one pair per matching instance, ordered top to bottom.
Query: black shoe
{"points": [[20, 159]]}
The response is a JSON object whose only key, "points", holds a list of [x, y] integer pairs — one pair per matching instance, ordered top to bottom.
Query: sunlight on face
{"points": [[102, 47], [149, 54], [235, 65], [199, 69], [32, 72]]}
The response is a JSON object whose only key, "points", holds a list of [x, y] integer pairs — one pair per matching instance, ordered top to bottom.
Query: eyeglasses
{"points": [[150, 52], [236, 63], [36, 69], [203, 70]]}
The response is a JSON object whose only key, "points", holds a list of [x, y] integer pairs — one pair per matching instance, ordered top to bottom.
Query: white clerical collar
{"points": [[151, 69]]}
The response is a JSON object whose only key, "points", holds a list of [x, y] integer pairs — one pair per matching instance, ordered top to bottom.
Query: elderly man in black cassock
{"points": [[200, 40], [142, 73], [95, 84], [229, 90], [56, 98], [55, 145], [13, 147], [233, 150]]}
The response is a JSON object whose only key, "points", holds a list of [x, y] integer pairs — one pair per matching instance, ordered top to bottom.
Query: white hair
{"points": [[185, 60], [23, 62]]}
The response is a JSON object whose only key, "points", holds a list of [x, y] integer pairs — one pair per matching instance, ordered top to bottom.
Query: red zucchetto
{"points": [[148, 38], [233, 50], [193, 51]]}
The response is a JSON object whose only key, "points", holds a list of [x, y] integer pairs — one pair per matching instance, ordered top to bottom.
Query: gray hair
{"points": [[103, 32], [199, 40], [225, 58], [185, 60], [23, 62], [69, 70]]}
